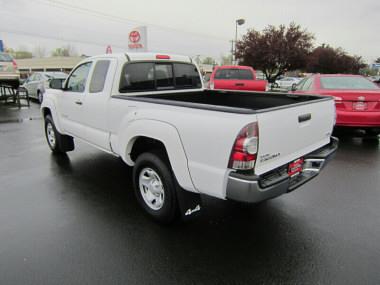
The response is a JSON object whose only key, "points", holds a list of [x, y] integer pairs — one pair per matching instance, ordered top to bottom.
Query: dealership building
{"points": [[30, 65]]}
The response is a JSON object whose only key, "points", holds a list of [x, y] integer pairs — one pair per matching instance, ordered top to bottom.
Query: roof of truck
{"points": [[141, 56]]}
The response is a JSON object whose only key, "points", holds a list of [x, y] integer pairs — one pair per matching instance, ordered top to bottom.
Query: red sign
{"points": [[134, 36], [108, 49]]}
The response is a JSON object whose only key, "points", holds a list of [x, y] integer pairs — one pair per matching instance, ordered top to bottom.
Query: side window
{"points": [[99, 76], [164, 76], [186, 76], [37, 77], [137, 77], [77, 80], [307, 85]]}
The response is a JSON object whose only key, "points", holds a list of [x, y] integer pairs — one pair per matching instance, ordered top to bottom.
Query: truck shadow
{"points": [[226, 244]]}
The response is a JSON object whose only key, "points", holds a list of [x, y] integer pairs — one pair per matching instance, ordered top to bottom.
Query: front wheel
{"points": [[57, 142], [154, 186]]}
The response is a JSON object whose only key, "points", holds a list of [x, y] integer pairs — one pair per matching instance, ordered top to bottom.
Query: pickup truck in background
{"points": [[236, 78], [182, 140]]}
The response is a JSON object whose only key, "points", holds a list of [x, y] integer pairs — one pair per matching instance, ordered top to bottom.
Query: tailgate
{"points": [[225, 84], [247, 85], [254, 85], [290, 133]]}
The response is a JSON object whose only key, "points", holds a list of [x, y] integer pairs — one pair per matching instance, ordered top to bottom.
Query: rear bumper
{"points": [[358, 119], [253, 189]]}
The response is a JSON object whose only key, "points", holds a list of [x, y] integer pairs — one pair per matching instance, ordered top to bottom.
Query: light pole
{"points": [[238, 22]]}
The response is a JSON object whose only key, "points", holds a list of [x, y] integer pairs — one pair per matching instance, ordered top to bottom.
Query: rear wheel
{"points": [[373, 131], [57, 142], [154, 186]]}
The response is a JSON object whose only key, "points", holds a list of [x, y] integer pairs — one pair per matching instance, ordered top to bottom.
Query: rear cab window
{"points": [[233, 74], [157, 76]]}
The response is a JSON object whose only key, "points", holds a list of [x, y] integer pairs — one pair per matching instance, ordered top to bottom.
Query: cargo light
{"points": [[162, 56], [244, 151]]}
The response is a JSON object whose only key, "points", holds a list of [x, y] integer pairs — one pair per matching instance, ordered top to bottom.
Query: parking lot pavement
{"points": [[10, 113], [74, 220]]}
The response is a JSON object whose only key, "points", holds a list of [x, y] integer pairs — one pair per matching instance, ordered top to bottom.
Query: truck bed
{"points": [[228, 101]]}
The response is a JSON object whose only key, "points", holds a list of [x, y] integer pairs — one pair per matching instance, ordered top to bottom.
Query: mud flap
{"points": [[190, 204]]}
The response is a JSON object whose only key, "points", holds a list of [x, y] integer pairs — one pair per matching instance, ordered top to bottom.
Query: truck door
{"points": [[72, 100], [95, 107]]}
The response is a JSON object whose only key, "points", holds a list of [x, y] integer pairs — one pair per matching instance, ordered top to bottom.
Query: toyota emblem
{"points": [[134, 36]]}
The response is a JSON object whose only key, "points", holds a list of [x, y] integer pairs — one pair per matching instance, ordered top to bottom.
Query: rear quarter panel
{"points": [[206, 136]]}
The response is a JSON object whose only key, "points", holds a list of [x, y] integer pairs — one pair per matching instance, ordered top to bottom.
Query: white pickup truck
{"points": [[152, 111]]}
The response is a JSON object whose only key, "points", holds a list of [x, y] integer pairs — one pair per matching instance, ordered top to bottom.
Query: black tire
{"points": [[39, 96], [373, 132], [57, 142], [160, 166]]}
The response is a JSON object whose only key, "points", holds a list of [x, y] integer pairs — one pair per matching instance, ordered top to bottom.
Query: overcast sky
{"points": [[196, 27]]}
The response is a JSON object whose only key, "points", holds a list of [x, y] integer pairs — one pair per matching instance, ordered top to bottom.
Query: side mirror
{"points": [[56, 83], [294, 87]]}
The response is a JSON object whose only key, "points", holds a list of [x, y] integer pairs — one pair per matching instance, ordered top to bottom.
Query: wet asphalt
{"points": [[74, 220]]}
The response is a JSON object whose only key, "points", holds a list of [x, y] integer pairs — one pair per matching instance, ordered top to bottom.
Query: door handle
{"points": [[239, 84], [78, 102], [304, 118]]}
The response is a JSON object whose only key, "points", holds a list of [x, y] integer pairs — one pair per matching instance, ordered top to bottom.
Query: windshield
{"points": [[4, 57], [234, 73], [347, 83]]}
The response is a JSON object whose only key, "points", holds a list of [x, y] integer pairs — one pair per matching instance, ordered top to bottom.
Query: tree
{"points": [[275, 50], [64, 51], [19, 54], [326, 59], [209, 60]]}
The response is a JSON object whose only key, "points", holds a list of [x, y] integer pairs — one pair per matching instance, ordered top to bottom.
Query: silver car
{"points": [[38, 82], [287, 82]]}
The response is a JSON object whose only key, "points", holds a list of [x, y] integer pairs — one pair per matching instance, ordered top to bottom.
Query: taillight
{"points": [[14, 64], [338, 100], [244, 151]]}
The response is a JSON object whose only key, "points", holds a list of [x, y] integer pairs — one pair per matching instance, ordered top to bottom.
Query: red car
{"points": [[236, 78], [357, 99]]}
